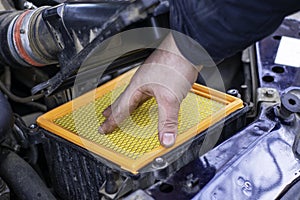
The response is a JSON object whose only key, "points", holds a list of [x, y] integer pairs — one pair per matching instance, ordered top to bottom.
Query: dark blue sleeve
{"points": [[224, 27]]}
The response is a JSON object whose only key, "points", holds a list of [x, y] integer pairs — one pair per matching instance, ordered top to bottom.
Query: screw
{"points": [[22, 31], [234, 92], [270, 93], [33, 126], [257, 130], [16, 148], [159, 162], [191, 181], [189, 184], [111, 186]]}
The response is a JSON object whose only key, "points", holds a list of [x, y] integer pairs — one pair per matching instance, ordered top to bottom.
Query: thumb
{"points": [[168, 109]]}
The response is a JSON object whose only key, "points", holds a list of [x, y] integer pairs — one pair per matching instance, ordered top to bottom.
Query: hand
{"points": [[165, 75]]}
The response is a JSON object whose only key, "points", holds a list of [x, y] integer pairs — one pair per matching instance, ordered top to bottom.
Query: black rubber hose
{"points": [[47, 2], [19, 4], [5, 54], [19, 99], [6, 117], [22, 179]]}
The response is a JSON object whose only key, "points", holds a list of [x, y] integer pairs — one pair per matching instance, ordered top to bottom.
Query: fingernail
{"points": [[100, 130], [168, 139]]}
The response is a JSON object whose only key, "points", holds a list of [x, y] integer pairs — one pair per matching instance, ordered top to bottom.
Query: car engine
{"points": [[63, 62]]}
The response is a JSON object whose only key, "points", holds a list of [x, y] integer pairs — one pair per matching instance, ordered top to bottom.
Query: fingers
{"points": [[121, 109], [168, 109], [107, 112], [108, 125]]}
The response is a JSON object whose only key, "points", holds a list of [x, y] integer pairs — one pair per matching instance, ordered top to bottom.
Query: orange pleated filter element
{"points": [[135, 143]]}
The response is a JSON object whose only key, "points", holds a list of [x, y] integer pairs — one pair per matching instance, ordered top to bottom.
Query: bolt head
{"points": [[233, 92], [270, 93], [33, 126], [159, 162]]}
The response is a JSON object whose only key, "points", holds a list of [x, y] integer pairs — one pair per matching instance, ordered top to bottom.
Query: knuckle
{"points": [[169, 98], [135, 99]]}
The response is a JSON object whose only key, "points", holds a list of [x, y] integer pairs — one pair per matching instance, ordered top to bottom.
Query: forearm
{"points": [[223, 28]]}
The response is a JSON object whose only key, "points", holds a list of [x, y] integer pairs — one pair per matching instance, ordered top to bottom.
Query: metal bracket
{"points": [[270, 95], [35, 136], [123, 185]]}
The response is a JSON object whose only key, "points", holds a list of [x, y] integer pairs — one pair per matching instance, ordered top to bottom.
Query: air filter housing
{"points": [[80, 155]]}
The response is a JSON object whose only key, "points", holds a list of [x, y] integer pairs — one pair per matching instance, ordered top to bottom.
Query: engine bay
{"points": [[62, 63]]}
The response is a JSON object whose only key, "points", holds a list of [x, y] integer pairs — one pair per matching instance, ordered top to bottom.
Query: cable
{"points": [[19, 99], [38, 106]]}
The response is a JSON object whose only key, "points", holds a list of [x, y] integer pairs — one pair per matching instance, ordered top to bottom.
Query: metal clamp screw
{"points": [[270, 93]]}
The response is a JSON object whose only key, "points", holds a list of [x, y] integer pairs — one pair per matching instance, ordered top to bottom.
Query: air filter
{"points": [[135, 144]]}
